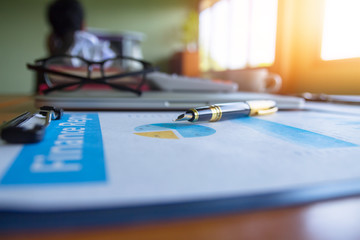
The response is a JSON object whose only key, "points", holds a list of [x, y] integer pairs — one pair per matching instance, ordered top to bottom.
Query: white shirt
{"points": [[90, 47]]}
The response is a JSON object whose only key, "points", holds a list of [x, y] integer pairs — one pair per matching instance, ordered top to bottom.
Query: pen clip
{"points": [[262, 107], [267, 111]]}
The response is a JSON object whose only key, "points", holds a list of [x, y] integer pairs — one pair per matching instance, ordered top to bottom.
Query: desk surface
{"points": [[333, 219]]}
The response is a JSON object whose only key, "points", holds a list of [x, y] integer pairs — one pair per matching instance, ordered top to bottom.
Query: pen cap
{"points": [[262, 107]]}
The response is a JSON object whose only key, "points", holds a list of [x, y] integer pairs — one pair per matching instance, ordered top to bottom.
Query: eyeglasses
{"points": [[65, 72]]}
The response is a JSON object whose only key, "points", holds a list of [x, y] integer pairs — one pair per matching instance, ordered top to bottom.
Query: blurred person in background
{"points": [[68, 34]]}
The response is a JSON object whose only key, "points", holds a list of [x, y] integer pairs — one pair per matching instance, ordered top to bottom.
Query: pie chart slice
{"points": [[173, 130], [160, 134]]}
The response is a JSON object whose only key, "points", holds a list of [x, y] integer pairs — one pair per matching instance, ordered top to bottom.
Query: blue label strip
{"points": [[71, 152]]}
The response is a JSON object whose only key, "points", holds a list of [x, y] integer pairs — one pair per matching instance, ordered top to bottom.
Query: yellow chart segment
{"points": [[159, 134]]}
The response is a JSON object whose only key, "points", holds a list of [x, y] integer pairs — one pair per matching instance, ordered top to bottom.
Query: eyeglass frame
{"points": [[147, 68]]}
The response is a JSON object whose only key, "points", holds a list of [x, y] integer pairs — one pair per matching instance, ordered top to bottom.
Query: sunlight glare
{"points": [[341, 34]]}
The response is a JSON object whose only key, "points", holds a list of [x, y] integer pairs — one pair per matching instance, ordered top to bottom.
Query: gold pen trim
{"points": [[216, 113], [196, 114]]}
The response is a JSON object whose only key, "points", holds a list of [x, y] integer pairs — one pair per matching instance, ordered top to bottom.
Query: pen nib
{"points": [[183, 117]]}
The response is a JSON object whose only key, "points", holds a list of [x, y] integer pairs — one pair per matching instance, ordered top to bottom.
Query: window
{"points": [[237, 34], [341, 34]]}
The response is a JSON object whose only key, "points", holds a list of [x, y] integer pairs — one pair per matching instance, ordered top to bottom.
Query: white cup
{"points": [[256, 80]]}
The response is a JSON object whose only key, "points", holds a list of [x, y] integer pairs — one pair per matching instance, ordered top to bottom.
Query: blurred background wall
{"points": [[24, 29], [297, 59]]}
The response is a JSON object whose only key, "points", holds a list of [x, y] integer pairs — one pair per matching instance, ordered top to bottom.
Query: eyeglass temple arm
{"points": [[144, 63], [45, 70], [128, 74], [120, 87]]}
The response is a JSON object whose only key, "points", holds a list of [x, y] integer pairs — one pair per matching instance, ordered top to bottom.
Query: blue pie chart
{"points": [[173, 130]]}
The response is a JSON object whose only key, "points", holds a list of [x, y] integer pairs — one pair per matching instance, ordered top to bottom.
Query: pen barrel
{"points": [[234, 110], [221, 112]]}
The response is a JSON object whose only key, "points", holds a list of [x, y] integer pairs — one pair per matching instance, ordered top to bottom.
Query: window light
{"points": [[236, 34], [341, 35]]}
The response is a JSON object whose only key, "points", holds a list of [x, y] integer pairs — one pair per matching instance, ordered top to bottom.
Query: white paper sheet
{"points": [[149, 159]]}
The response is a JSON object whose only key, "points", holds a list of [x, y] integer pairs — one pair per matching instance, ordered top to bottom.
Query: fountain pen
{"points": [[227, 111]]}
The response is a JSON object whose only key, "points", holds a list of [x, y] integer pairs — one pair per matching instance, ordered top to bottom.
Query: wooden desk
{"points": [[327, 220]]}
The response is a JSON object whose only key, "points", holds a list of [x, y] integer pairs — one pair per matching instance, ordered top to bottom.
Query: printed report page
{"points": [[119, 159]]}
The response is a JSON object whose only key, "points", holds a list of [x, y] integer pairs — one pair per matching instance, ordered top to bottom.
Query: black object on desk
{"points": [[29, 127]]}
